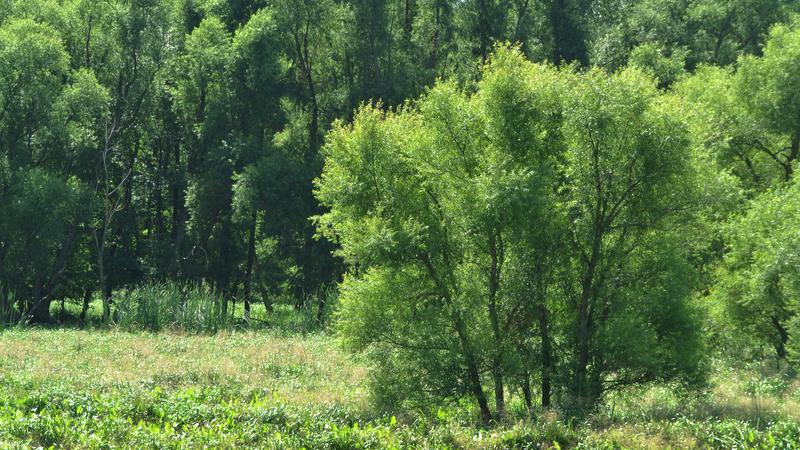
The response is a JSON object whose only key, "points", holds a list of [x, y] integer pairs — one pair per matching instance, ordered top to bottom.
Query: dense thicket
{"points": [[576, 210]]}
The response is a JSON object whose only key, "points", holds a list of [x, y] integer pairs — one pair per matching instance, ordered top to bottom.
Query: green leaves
{"points": [[33, 63], [770, 84], [43, 215], [455, 216], [757, 281]]}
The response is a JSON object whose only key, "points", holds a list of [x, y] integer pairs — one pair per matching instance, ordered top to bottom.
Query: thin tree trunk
{"points": [[555, 19], [483, 29], [794, 152], [178, 211], [495, 251], [251, 257], [102, 279], [87, 297], [266, 299], [320, 308], [583, 335], [783, 337], [546, 356], [472, 369], [473, 374], [526, 391]]}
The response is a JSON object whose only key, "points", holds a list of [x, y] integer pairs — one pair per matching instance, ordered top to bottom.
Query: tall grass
{"points": [[155, 307], [197, 308], [9, 315]]}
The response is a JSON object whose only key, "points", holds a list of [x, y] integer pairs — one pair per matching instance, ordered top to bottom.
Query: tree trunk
{"points": [[555, 17], [483, 30], [568, 44], [794, 152], [178, 212], [495, 251], [251, 257], [103, 281], [87, 297], [266, 299], [106, 302], [320, 308], [40, 313], [246, 315], [584, 334], [783, 337], [546, 356], [472, 369], [473, 374], [526, 391]]}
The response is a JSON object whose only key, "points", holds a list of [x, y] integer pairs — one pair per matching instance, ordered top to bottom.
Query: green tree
{"points": [[706, 31], [33, 63], [769, 88], [204, 100], [724, 128], [627, 183], [442, 210], [42, 224], [757, 280]]}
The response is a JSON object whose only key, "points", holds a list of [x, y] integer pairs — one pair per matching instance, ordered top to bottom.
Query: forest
{"points": [[399, 224]]}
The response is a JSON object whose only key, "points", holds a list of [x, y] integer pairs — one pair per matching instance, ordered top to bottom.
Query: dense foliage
{"points": [[554, 198], [548, 202]]}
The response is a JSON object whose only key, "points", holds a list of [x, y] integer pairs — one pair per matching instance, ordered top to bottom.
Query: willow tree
{"points": [[769, 87], [46, 127], [627, 193], [424, 202], [544, 204], [757, 280]]}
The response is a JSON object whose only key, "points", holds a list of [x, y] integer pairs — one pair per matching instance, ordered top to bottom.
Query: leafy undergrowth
{"points": [[107, 389]]}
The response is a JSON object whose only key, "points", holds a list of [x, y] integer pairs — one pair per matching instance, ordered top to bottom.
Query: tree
{"points": [[308, 30], [705, 31], [568, 35], [136, 58], [650, 58], [33, 63], [769, 88], [204, 100], [745, 119], [725, 129], [46, 131], [442, 213], [390, 220], [43, 221], [757, 280]]}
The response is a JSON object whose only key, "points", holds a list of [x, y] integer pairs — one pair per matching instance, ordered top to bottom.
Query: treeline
{"points": [[533, 218]]}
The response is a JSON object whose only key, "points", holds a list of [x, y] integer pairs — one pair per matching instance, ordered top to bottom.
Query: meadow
{"points": [[284, 385]]}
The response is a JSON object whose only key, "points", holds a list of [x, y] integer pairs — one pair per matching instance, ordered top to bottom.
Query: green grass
{"points": [[108, 388], [103, 389]]}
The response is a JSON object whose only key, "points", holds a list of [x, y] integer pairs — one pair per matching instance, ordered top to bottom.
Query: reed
{"points": [[160, 306]]}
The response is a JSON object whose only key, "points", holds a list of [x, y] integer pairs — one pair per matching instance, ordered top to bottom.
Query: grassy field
{"points": [[97, 388]]}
